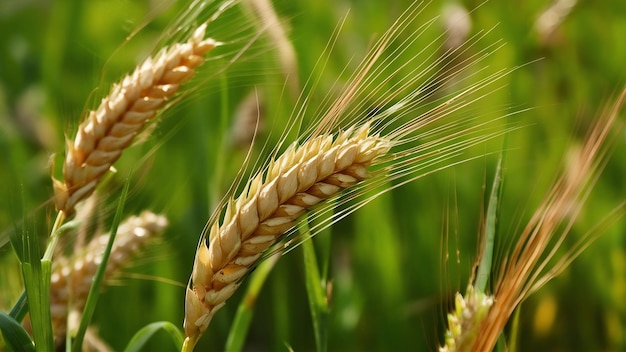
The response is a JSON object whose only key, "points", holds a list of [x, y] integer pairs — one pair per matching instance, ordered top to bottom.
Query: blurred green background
{"points": [[393, 279]]}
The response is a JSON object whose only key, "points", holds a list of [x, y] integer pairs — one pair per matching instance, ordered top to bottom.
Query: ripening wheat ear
{"points": [[132, 102], [269, 206]]}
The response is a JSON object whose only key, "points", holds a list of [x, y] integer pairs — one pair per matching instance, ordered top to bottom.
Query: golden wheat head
{"points": [[132, 102], [270, 204]]}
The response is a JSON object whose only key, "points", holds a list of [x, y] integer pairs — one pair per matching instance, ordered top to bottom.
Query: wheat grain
{"points": [[132, 102], [269, 206], [72, 277]]}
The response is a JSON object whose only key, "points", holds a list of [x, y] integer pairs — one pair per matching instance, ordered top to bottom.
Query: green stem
{"points": [[54, 236], [94, 291], [316, 292], [20, 308], [245, 311]]}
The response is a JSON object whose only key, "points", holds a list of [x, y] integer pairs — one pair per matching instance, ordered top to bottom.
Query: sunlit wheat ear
{"points": [[132, 102], [270, 204], [529, 266], [72, 277], [464, 322]]}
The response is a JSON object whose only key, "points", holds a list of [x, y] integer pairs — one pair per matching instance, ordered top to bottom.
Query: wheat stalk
{"points": [[132, 102]]}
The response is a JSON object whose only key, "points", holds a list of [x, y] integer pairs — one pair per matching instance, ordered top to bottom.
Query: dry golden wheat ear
{"points": [[132, 102]]}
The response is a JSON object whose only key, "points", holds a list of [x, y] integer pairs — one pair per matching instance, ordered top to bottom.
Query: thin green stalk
{"points": [[220, 162], [54, 236], [94, 291], [316, 292], [20, 309], [245, 311], [514, 334]]}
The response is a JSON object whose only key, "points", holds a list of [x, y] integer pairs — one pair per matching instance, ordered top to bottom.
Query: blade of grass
{"points": [[323, 240], [484, 268], [36, 274], [315, 288], [94, 291], [20, 308], [245, 311], [514, 333], [15, 336], [138, 342]]}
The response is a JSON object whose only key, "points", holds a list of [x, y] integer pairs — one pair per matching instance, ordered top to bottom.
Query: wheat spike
{"points": [[132, 102], [268, 207], [72, 277], [464, 322]]}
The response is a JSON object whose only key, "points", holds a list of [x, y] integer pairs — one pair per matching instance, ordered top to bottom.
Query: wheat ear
{"points": [[132, 102], [268, 207], [72, 277], [464, 322]]}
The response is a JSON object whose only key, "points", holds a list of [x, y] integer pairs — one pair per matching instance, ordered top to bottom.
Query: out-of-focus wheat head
{"points": [[131, 103], [388, 125], [72, 276], [463, 323]]}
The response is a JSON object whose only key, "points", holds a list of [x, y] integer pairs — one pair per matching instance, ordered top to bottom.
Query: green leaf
{"points": [[484, 268], [36, 275], [94, 291], [316, 293], [20, 308], [145, 334], [15, 335]]}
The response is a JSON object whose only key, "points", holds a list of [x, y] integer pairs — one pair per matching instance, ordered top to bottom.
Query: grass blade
{"points": [[484, 268], [36, 274], [315, 289], [94, 291], [20, 308], [245, 311], [14, 334], [138, 342]]}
